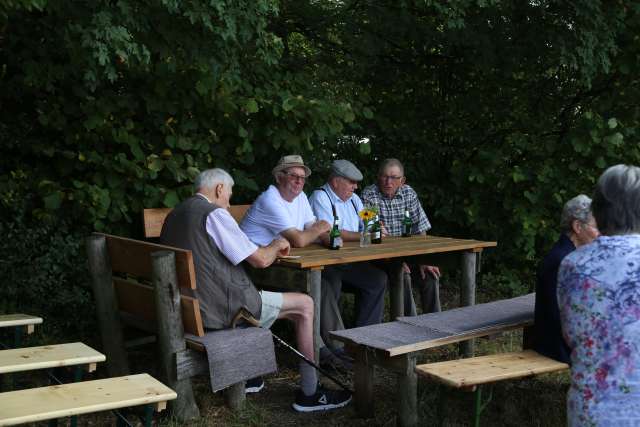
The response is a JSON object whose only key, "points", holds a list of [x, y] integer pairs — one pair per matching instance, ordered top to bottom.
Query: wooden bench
{"points": [[153, 219], [138, 283], [20, 322], [395, 345], [49, 356], [470, 374], [65, 400]]}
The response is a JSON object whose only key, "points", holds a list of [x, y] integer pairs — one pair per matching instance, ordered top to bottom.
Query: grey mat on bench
{"points": [[476, 317], [237, 355]]}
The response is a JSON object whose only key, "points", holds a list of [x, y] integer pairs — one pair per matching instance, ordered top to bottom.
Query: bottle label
{"points": [[376, 235], [337, 242]]}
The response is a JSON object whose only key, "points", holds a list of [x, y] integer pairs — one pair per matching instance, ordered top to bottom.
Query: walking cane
{"points": [[244, 314]]}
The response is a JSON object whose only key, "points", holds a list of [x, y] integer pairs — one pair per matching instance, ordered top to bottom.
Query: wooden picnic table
{"points": [[307, 267]]}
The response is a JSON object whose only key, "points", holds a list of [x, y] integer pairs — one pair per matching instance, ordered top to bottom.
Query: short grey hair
{"points": [[387, 163], [211, 177], [616, 200], [578, 208]]}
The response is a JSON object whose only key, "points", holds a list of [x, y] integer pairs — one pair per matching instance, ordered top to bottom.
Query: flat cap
{"points": [[346, 169]]}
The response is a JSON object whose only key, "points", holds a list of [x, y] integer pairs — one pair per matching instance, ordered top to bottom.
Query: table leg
{"points": [[314, 282], [396, 292], [468, 293], [407, 392]]}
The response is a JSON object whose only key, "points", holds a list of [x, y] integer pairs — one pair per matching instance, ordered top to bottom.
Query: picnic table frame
{"points": [[311, 260]]}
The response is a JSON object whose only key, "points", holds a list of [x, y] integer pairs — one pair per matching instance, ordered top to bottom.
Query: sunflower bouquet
{"points": [[367, 215]]}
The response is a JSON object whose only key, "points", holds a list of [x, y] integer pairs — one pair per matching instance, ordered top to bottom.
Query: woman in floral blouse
{"points": [[599, 300]]}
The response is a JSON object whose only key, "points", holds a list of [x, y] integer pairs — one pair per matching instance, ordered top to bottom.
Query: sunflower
{"points": [[367, 214]]}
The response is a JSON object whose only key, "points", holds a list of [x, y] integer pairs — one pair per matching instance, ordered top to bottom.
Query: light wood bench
{"points": [[153, 219], [142, 284], [20, 322], [395, 346], [49, 356], [470, 374], [65, 400]]}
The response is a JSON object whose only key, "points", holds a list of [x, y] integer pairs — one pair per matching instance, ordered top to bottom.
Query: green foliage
{"points": [[501, 110], [42, 267]]}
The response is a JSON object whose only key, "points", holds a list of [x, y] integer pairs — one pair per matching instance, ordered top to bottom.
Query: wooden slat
{"points": [[238, 211], [153, 219], [392, 247], [133, 257], [137, 300], [18, 319], [48, 356], [489, 369], [44, 403]]}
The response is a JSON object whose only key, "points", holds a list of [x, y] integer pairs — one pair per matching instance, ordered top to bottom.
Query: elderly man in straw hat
{"points": [[283, 210]]}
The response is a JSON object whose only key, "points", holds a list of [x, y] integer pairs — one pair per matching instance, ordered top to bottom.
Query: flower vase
{"points": [[365, 237]]}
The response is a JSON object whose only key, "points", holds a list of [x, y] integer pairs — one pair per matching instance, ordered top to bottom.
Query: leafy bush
{"points": [[43, 267]]}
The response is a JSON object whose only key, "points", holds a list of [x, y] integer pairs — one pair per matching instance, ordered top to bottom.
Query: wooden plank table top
{"points": [[314, 256], [18, 319], [49, 356], [489, 369], [44, 403]]}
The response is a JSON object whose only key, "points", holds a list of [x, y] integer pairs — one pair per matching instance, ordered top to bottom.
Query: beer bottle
{"points": [[406, 224], [376, 231], [335, 238]]}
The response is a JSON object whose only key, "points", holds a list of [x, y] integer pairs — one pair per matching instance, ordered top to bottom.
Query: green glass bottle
{"points": [[406, 224], [376, 231], [335, 237]]}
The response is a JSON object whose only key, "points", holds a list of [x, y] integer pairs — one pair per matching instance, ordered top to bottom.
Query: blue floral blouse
{"points": [[599, 300]]}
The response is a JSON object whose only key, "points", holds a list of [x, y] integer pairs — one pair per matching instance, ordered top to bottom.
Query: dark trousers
{"points": [[369, 282], [428, 288]]}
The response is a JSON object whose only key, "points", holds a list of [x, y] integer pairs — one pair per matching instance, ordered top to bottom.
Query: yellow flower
{"points": [[367, 214]]}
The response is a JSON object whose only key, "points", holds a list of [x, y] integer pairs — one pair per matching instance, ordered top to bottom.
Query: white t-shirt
{"points": [[270, 215]]}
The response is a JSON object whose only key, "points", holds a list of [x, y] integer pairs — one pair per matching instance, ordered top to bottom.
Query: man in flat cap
{"points": [[283, 210], [368, 281]]}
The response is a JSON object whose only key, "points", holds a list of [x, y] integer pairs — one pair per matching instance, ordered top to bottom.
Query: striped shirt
{"points": [[392, 209]]}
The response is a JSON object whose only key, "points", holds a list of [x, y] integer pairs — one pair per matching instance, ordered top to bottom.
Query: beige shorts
{"points": [[271, 306]]}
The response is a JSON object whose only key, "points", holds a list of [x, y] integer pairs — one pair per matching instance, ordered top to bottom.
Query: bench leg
{"points": [[468, 294], [17, 337], [363, 382], [407, 392], [235, 396], [442, 403], [479, 405], [148, 415]]}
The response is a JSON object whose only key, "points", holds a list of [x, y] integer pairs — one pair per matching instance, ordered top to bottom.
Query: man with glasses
{"points": [[393, 197], [283, 210]]}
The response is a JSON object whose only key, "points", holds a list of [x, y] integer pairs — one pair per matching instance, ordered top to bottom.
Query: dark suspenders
{"points": [[333, 208]]}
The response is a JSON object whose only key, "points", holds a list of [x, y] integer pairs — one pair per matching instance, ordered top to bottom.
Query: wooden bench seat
{"points": [[149, 287], [20, 322], [395, 345], [49, 356], [470, 374], [47, 403]]}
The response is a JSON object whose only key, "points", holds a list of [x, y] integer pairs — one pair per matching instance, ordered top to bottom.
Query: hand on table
{"points": [[283, 246]]}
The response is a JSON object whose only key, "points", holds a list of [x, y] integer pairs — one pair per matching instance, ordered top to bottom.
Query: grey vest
{"points": [[221, 287]]}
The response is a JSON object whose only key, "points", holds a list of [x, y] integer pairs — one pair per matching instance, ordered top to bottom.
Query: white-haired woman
{"points": [[599, 299]]}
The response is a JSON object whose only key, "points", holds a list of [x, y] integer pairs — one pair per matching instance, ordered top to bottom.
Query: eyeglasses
{"points": [[294, 177], [390, 178], [591, 226]]}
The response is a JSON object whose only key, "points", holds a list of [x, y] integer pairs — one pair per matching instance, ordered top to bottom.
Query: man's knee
{"points": [[306, 306]]}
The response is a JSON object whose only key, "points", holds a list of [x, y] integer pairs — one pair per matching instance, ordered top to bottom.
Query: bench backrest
{"points": [[153, 219], [132, 270]]}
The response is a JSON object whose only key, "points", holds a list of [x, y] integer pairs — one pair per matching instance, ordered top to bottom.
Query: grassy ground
{"points": [[533, 402]]}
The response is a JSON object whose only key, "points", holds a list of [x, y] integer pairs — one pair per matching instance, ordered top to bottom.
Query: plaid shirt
{"points": [[392, 210]]}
